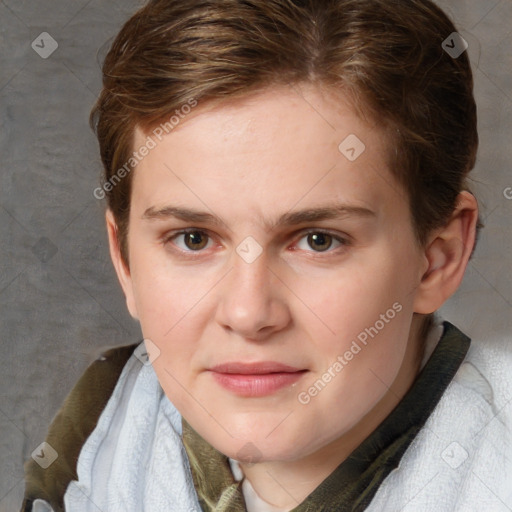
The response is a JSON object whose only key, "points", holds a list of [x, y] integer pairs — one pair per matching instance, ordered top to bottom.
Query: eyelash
{"points": [[168, 238]]}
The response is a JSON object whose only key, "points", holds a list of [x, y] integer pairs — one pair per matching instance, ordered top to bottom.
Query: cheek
{"points": [[165, 296], [343, 303], [170, 314], [361, 315], [174, 325], [365, 360]]}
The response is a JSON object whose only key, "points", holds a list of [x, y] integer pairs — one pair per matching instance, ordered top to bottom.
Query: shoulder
{"points": [[71, 427], [453, 460]]}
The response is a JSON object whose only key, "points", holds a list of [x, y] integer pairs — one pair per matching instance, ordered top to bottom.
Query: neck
{"points": [[286, 484]]}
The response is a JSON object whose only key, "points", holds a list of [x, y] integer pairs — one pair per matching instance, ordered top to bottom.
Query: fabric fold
{"points": [[134, 460]]}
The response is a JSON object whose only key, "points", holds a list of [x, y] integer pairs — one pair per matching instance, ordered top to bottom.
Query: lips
{"points": [[254, 368], [255, 379]]}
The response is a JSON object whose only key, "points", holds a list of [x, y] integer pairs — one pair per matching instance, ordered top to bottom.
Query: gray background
{"points": [[60, 301]]}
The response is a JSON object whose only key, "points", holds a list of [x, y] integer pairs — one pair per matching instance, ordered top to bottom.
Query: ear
{"points": [[447, 254], [122, 270]]}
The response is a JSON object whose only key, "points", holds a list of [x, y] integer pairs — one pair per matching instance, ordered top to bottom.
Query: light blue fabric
{"points": [[134, 460], [461, 461]]}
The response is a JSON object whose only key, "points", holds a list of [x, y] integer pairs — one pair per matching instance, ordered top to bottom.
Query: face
{"points": [[273, 269]]}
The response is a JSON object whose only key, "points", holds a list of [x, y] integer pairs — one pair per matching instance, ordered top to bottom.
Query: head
{"points": [[247, 111]]}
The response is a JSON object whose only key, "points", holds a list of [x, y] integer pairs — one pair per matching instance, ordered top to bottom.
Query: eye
{"points": [[193, 240], [321, 241]]}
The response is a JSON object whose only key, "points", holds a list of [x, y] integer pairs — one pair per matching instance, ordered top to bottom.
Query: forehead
{"points": [[267, 152]]}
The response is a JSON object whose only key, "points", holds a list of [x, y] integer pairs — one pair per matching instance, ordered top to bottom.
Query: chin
{"points": [[264, 437], [259, 449]]}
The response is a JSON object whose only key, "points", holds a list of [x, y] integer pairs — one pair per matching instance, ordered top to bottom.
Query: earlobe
{"points": [[447, 254], [122, 270]]}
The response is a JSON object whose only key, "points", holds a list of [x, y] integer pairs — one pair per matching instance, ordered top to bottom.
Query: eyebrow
{"points": [[336, 211]]}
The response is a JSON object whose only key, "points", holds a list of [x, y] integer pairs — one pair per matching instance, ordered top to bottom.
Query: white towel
{"points": [[134, 460], [461, 461]]}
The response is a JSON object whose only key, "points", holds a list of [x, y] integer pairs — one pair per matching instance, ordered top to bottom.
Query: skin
{"points": [[248, 162]]}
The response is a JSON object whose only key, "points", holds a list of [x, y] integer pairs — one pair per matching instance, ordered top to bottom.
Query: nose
{"points": [[253, 301]]}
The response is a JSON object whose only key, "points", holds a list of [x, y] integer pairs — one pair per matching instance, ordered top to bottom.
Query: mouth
{"points": [[256, 379]]}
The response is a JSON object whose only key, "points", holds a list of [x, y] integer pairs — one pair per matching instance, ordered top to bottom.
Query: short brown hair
{"points": [[386, 55]]}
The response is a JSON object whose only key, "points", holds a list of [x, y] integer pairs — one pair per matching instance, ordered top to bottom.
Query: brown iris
{"points": [[195, 240], [322, 241]]}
